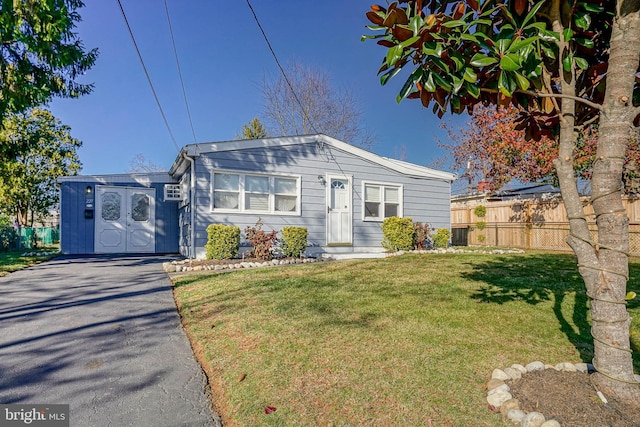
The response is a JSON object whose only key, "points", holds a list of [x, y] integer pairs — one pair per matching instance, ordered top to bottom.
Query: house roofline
{"points": [[410, 169], [141, 178]]}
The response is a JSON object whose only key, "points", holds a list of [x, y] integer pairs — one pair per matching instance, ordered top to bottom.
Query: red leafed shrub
{"points": [[261, 241]]}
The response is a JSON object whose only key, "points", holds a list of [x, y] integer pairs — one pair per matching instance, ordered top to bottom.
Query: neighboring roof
{"points": [[410, 169], [140, 178]]}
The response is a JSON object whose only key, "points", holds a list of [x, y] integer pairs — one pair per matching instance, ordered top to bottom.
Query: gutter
{"points": [[192, 196]]}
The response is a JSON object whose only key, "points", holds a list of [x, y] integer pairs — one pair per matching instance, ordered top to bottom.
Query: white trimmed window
{"points": [[172, 192], [249, 193], [382, 201]]}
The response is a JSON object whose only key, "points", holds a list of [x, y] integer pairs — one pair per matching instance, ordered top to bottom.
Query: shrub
{"points": [[480, 211], [481, 225], [398, 234], [421, 235], [8, 238], [482, 238], [441, 239], [223, 241], [294, 241], [261, 242]]}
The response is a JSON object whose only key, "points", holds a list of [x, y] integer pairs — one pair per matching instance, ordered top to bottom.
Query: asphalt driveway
{"points": [[103, 335]]}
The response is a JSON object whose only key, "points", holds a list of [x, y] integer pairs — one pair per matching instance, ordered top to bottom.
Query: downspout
{"points": [[192, 197]]}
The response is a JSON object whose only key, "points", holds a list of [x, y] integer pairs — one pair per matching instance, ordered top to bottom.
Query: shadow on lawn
{"points": [[546, 278]]}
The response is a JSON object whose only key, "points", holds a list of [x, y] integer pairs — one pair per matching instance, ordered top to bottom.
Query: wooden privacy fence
{"points": [[527, 224]]}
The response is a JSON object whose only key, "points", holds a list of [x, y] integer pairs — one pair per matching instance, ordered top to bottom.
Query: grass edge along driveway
{"points": [[409, 340]]}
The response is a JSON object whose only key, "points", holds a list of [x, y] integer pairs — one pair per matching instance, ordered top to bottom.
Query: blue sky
{"points": [[224, 58]]}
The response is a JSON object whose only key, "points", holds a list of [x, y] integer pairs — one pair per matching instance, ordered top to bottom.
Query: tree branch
{"points": [[551, 95]]}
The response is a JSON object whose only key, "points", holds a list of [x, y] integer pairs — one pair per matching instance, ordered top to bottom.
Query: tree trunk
{"points": [[604, 265]]}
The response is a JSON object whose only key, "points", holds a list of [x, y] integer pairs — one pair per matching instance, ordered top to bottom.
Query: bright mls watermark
{"points": [[34, 415]]}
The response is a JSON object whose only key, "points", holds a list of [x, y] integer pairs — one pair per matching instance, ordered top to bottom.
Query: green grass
{"points": [[14, 261], [410, 340]]}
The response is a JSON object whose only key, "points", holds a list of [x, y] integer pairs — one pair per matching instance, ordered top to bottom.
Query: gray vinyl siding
{"points": [[425, 200], [77, 232]]}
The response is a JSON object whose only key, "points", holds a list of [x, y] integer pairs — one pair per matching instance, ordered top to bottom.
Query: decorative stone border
{"points": [[44, 253], [184, 266], [500, 400]]}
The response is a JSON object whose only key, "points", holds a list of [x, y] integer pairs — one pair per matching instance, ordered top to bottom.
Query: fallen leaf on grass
{"points": [[242, 377], [269, 409]]}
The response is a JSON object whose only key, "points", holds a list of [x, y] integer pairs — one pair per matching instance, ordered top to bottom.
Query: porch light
{"points": [[321, 180], [88, 190]]}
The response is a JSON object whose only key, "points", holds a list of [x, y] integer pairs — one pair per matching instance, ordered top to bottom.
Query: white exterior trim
{"points": [[382, 184]]}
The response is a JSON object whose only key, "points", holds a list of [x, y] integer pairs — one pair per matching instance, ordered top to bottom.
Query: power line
{"points": [[175, 53], [146, 73], [286, 79]]}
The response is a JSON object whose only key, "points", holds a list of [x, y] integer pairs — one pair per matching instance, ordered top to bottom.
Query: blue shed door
{"points": [[125, 220]]}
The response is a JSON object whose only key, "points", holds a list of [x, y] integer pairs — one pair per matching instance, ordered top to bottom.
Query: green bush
{"points": [[480, 211], [481, 225], [398, 234], [8, 238], [482, 238], [441, 239], [223, 241], [294, 241]]}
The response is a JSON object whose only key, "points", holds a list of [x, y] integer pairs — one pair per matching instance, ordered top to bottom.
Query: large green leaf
{"points": [[591, 7], [532, 12], [582, 20], [415, 23], [453, 24], [567, 34], [588, 43], [405, 44], [520, 44], [394, 54], [480, 60], [567, 61], [510, 62], [582, 63], [389, 74], [470, 75], [522, 81], [442, 82], [429, 83], [457, 83], [506, 83], [406, 88], [472, 89]]}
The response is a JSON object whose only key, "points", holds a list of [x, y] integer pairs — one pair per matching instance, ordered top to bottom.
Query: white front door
{"points": [[339, 211], [125, 220]]}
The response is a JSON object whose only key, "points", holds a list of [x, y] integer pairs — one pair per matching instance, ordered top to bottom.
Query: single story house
{"points": [[339, 192]]}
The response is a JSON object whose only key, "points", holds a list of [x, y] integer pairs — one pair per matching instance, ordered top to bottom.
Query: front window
{"points": [[255, 193], [382, 201]]}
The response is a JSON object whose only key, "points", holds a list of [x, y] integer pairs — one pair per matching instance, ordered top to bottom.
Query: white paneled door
{"points": [[339, 211], [125, 220]]}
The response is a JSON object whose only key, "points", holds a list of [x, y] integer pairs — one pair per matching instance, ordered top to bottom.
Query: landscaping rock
{"points": [[535, 366], [566, 367], [582, 367], [520, 368], [499, 374], [514, 374], [494, 383], [499, 389], [498, 398], [508, 406], [516, 415], [532, 419], [550, 423]]}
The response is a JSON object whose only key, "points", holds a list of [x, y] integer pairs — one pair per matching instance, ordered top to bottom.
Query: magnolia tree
{"points": [[568, 64]]}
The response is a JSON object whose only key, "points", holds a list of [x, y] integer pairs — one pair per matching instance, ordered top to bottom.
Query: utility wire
{"points": [[175, 53], [146, 73], [286, 79]]}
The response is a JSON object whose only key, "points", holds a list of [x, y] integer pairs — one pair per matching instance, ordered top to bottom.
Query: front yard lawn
{"points": [[14, 260], [410, 340]]}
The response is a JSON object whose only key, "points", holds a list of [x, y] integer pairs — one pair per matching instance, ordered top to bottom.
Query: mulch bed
{"points": [[570, 399]]}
